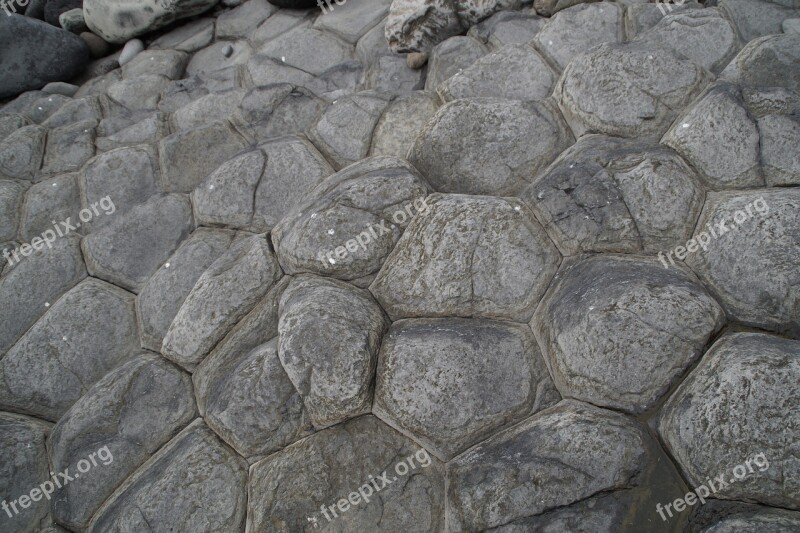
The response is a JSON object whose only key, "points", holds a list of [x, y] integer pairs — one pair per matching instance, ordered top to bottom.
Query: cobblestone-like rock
{"points": [[757, 18], [508, 27], [450, 57], [769, 61], [400, 123], [21, 152], [12, 194]]}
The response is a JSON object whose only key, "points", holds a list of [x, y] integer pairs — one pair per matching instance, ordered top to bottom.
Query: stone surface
{"points": [[757, 18], [352, 19], [243, 20], [117, 21], [508, 27], [450, 57], [769, 61], [278, 110], [402, 120], [779, 133], [69, 147], [21, 152], [12, 194], [619, 331], [330, 333], [720, 516]]}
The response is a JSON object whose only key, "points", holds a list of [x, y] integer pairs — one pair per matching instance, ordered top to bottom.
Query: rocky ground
{"points": [[265, 276]]}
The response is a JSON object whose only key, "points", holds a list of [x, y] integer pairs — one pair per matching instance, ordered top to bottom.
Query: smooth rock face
{"points": [[116, 21], [508, 27], [34, 53], [450, 57], [769, 61], [400, 123], [489, 146], [21, 152], [606, 194], [468, 256], [751, 262], [618, 331], [86, 333], [330, 333], [433, 376], [741, 403], [128, 415], [555, 463], [194, 483], [287, 489]]}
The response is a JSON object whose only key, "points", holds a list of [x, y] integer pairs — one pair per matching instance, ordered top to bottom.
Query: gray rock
{"points": [[548, 8], [640, 17], [757, 18], [353, 19], [73, 21], [117, 21], [242, 21], [281, 22], [791, 25], [508, 27], [577, 29], [189, 37], [98, 48], [131, 49], [308, 49], [34, 53], [450, 57], [212, 58], [767, 62], [168, 63], [386, 70], [515, 72], [59, 87], [142, 92], [214, 107], [88, 108], [41, 109], [277, 110], [11, 122], [401, 122], [147, 131], [779, 134], [489, 146], [69, 147], [21, 152], [187, 157], [12, 194], [606, 194], [225, 197], [357, 202], [129, 249], [468, 256], [750, 263], [35, 282], [224, 294], [162, 296], [618, 331], [86, 333], [330, 333], [433, 376], [739, 404], [123, 419], [22, 443], [600, 466], [194, 483], [288, 488], [719, 516]]}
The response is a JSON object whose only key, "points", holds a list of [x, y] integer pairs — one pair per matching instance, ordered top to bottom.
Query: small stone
{"points": [[73, 21], [791, 25], [97, 46], [131, 49], [228, 50], [416, 60], [59, 87]]}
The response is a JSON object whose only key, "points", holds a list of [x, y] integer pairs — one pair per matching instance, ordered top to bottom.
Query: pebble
{"points": [[97, 46], [130, 50], [416, 60], [59, 87]]}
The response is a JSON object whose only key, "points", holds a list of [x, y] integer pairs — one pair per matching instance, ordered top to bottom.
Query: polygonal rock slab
{"points": [[756, 18], [243, 20], [351, 20], [508, 27], [188, 37], [309, 50], [450, 57], [213, 59], [769, 61], [169, 63], [386, 71], [629, 90], [140, 93], [217, 106], [277, 110], [11, 122], [400, 123], [779, 134], [489, 146], [69, 147], [21, 152], [12, 193], [607, 194], [54, 199], [362, 201], [129, 249], [468, 256], [751, 262], [225, 292], [618, 331], [86, 333], [330, 333], [434, 374], [129, 415], [737, 415], [572, 464], [24, 467], [320, 481], [194, 483], [720, 516]]}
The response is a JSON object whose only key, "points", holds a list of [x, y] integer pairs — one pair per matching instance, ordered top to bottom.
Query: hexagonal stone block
{"points": [[756, 18], [244, 19], [353, 19], [508, 27], [188, 37], [309, 50], [451, 56], [213, 58], [769, 61], [169, 63], [628, 90], [142, 92], [216, 106], [87, 108], [278, 110], [11, 122], [400, 123], [779, 133], [489, 146], [69, 147], [21, 152], [12, 193], [607, 194], [225, 197], [54, 199], [362, 201], [129, 249], [468, 256], [751, 262], [224, 294], [618, 331], [330, 333], [433, 375], [130, 413], [737, 416], [572, 464], [25, 466], [311, 481], [194, 483], [720, 516]]}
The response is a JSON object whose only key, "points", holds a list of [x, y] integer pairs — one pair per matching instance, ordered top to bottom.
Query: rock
{"points": [[294, 4], [55, 8], [548, 8], [35, 9], [640, 17], [757, 18], [352, 19], [243, 20], [73, 21], [117, 21], [281, 22], [791, 25], [508, 27], [577, 29], [187, 37], [97, 46], [131, 49], [308, 49], [228, 50], [33, 53], [450, 57], [416, 60], [767, 62], [169, 63], [387, 71], [650, 86], [59, 87], [140, 93], [214, 107], [87, 108], [277, 110], [401, 121], [11, 122], [778, 134], [488, 145], [68, 148], [21, 152], [12, 194], [606, 194], [225, 198], [360, 202], [133, 246], [498, 260], [749, 263], [36, 279], [164, 293], [224, 294], [618, 331], [86, 333], [330, 333], [433, 374], [742, 396], [124, 419], [22, 441], [573, 463], [205, 481], [288, 489], [720, 516]]}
